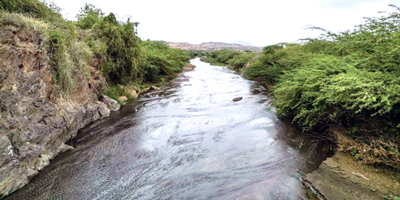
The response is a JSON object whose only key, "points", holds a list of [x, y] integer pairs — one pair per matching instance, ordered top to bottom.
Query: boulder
{"points": [[132, 87], [133, 94], [123, 98], [111, 103], [102, 109]]}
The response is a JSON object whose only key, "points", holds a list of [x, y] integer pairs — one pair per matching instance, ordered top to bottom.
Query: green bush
{"points": [[37, 9], [88, 16], [115, 42], [123, 50], [276, 59], [159, 60], [350, 79]]}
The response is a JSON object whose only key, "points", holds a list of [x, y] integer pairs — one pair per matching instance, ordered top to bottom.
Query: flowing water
{"points": [[190, 142]]}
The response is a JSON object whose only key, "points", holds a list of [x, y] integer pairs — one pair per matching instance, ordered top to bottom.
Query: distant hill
{"points": [[243, 43], [212, 46]]}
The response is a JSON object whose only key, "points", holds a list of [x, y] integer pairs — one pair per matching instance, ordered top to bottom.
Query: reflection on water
{"points": [[190, 142]]}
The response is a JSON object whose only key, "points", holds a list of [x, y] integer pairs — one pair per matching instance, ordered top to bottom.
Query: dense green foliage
{"points": [[127, 58], [235, 59], [275, 59], [161, 61], [350, 79]]}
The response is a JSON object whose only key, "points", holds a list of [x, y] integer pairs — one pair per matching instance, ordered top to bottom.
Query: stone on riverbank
{"points": [[133, 94], [123, 98], [111, 103]]}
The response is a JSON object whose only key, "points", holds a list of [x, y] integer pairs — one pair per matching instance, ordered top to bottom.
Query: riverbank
{"points": [[53, 73], [342, 177]]}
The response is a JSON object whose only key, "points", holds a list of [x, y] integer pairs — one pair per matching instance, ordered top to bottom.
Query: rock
{"points": [[3, 74], [131, 87], [154, 88], [259, 89], [143, 91], [133, 94], [123, 98], [237, 99], [111, 103], [102, 109], [12, 176], [348, 185]]}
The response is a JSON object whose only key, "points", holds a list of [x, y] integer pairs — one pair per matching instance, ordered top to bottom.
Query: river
{"points": [[190, 142]]}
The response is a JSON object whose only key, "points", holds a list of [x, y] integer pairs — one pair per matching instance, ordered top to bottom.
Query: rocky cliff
{"points": [[36, 120]]}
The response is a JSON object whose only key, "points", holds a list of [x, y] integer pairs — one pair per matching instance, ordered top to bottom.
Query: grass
{"points": [[114, 92]]}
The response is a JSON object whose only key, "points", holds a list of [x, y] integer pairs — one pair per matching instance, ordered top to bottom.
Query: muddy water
{"points": [[191, 142]]}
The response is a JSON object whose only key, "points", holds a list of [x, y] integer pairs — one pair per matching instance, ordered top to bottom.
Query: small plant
{"points": [[114, 92]]}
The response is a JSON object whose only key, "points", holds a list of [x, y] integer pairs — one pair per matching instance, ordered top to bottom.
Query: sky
{"points": [[259, 22]]}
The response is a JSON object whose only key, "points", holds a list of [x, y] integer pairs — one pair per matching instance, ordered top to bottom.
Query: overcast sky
{"points": [[259, 22]]}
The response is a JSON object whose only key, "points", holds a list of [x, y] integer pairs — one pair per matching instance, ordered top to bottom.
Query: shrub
{"points": [[37, 9], [88, 16], [120, 48], [160, 60]]}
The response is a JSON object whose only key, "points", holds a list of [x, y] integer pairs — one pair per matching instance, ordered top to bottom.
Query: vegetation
{"points": [[37, 9], [72, 46], [194, 54], [67, 55], [127, 58], [235, 59], [161, 61], [349, 80], [115, 91]]}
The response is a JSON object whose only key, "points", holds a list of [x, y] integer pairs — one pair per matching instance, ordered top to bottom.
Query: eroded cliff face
{"points": [[35, 121]]}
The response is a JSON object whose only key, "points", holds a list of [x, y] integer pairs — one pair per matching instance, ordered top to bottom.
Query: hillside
{"points": [[212, 46], [55, 75]]}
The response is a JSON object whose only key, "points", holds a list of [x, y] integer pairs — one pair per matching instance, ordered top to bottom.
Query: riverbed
{"points": [[187, 142]]}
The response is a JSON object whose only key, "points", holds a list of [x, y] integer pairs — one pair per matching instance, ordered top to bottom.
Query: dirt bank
{"points": [[342, 177]]}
